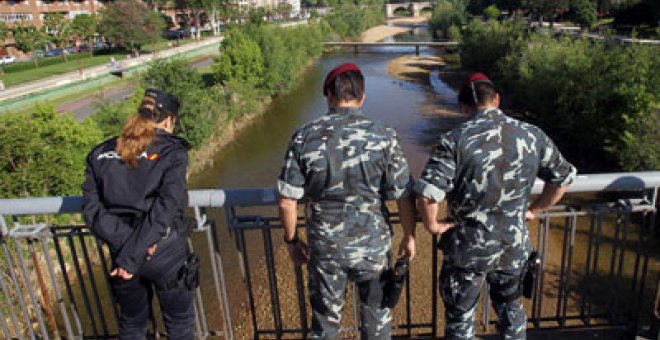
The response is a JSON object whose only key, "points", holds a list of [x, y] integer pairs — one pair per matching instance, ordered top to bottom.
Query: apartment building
{"points": [[12, 11]]}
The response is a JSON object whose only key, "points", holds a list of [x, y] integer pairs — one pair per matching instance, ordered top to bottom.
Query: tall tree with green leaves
{"points": [[130, 24], [58, 27], [84, 27], [5, 33], [28, 38]]}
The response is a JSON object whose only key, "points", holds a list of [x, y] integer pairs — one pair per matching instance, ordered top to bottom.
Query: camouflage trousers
{"points": [[327, 288], [460, 289]]}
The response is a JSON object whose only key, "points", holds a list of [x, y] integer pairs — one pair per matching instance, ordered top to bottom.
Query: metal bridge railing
{"points": [[599, 258]]}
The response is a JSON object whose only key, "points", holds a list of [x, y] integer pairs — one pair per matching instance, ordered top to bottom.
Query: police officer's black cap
{"points": [[164, 101]]}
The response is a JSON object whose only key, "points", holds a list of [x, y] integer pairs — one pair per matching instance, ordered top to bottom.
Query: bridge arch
{"points": [[413, 7]]}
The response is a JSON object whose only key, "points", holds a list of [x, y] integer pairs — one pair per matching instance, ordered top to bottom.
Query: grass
{"points": [[24, 72], [23, 76]]}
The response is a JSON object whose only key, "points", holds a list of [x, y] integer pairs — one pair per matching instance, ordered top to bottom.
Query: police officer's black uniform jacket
{"points": [[132, 209]]}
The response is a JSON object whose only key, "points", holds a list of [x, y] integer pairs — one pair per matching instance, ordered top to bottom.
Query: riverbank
{"points": [[392, 28]]}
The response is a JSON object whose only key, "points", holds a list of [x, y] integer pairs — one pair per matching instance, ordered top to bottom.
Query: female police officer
{"points": [[134, 200]]}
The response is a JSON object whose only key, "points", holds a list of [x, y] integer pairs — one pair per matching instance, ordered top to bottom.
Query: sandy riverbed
{"points": [[381, 32]]}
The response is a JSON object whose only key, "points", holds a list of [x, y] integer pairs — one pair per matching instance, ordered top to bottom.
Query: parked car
{"points": [[176, 34], [100, 46], [54, 52], [7, 59]]}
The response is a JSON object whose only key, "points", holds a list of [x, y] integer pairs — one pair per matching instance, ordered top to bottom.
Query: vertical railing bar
{"points": [[599, 236], [615, 244], [615, 248], [622, 251], [647, 255], [544, 261], [569, 266], [219, 275], [92, 278], [106, 278], [272, 278], [248, 280], [67, 283], [28, 284], [83, 286], [56, 287], [561, 287], [435, 288], [7, 293], [19, 295], [45, 296], [586, 298], [485, 301], [198, 304], [408, 306], [302, 307], [356, 310], [536, 317], [152, 318], [3, 322]]}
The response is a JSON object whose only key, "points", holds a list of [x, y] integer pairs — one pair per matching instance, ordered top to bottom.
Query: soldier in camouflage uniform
{"points": [[346, 166], [486, 168]]}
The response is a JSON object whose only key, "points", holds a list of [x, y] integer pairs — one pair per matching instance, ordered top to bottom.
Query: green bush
{"points": [[492, 12], [447, 13], [349, 21], [483, 44], [285, 52], [240, 60], [572, 86], [200, 105], [111, 117], [43, 153]]}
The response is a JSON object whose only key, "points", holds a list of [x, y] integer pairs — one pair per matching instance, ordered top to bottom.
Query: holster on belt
{"points": [[189, 272], [529, 274], [393, 280]]}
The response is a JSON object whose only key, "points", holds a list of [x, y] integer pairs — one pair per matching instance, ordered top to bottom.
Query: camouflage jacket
{"points": [[346, 166], [486, 168]]}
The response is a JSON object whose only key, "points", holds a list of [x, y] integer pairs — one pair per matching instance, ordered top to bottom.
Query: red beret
{"points": [[330, 78], [474, 78]]}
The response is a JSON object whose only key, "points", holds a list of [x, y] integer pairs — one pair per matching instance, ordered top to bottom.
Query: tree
{"points": [[491, 12], [585, 12], [448, 13], [130, 24], [84, 27], [59, 28], [5, 32], [27, 38], [240, 60], [43, 153]]}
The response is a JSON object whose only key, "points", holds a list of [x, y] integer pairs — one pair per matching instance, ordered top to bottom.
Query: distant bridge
{"points": [[415, 8], [417, 44]]}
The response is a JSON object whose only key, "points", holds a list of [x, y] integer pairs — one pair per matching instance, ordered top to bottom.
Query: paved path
{"points": [[98, 71], [86, 106]]}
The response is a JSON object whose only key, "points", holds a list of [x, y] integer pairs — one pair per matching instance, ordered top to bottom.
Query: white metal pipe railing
{"points": [[215, 198]]}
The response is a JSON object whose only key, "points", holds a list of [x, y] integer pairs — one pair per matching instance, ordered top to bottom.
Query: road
{"points": [[84, 107]]}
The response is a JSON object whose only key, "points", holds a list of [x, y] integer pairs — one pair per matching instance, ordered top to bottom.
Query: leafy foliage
{"points": [[492, 12], [448, 13], [349, 21], [130, 23], [84, 27], [27, 38], [240, 60], [568, 86], [200, 105], [43, 153]]}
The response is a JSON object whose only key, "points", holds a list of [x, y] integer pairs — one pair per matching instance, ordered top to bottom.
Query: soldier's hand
{"points": [[531, 215], [441, 227], [407, 247], [298, 252], [122, 273]]}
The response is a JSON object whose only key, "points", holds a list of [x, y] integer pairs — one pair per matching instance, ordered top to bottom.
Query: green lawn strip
{"points": [[61, 67], [24, 76], [94, 90]]}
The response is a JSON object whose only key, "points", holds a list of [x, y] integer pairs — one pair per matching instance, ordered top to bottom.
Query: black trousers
{"points": [[176, 301]]}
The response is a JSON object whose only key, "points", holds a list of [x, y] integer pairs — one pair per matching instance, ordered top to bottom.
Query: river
{"points": [[254, 159]]}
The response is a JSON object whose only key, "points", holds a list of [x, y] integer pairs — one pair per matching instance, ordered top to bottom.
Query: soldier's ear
{"points": [[364, 96], [496, 100]]}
